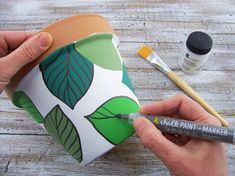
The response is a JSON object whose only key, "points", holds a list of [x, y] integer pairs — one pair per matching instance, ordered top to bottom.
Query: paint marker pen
{"points": [[187, 128]]}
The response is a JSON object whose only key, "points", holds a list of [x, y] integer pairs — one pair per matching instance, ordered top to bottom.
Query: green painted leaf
{"points": [[100, 50], [67, 74], [125, 78], [21, 100], [108, 125], [64, 132]]}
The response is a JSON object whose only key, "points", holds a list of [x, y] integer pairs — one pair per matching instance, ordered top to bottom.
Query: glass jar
{"points": [[196, 52]]}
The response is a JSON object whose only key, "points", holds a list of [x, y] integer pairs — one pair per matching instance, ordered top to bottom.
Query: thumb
{"points": [[27, 52], [153, 139]]}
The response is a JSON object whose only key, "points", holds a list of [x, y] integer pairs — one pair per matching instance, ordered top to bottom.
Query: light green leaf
{"points": [[100, 50], [67, 74], [21, 100], [104, 119], [64, 132]]}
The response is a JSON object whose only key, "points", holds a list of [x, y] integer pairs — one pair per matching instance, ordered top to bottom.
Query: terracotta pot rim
{"points": [[85, 15], [102, 26]]}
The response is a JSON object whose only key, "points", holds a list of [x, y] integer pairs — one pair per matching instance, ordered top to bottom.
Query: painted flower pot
{"points": [[78, 87]]}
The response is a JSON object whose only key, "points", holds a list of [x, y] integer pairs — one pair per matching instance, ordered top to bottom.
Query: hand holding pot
{"points": [[18, 49]]}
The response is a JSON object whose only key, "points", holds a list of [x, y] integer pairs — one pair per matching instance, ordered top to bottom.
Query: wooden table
{"points": [[26, 149]]}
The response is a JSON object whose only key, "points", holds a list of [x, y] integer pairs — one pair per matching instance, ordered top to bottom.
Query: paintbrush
{"points": [[151, 57], [186, 128]]}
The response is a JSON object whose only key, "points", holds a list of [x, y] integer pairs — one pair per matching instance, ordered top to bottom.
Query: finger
{"points": [[15, 38], [10, 40], [29, 50], [23, 55], [180, 104], [153, 139]]}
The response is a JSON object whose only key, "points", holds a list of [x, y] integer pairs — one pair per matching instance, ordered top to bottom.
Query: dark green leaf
{"points": [[67, 74], [125, 78], [64, 132]]}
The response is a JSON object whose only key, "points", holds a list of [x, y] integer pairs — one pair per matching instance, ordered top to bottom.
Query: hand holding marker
{"points": [[151, 57], [187, 128]]}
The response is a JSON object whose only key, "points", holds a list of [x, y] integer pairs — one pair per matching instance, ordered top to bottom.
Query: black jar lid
{"points": [[199, 42]]}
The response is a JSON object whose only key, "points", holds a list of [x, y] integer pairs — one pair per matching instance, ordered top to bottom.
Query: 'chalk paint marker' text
{"points": [[175, 123]]}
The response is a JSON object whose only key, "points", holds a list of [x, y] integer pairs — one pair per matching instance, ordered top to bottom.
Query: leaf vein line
{"points": [[80, 55], [52, 60], [84, 60], [50, 72], [79, 76], [54, 80], [108, 110], [50, 127], [64, 129], [67, 137], [72, 143], [76, 152]]}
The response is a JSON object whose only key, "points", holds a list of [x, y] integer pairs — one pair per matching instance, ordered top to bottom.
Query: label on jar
{"points": [[192, 64]]}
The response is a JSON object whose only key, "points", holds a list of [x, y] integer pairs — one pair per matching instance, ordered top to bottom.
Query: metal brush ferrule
{"points": [[156, 61]]}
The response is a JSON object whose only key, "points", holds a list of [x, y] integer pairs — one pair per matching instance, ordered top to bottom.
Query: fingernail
{"points": [[45, 39], [140, 124]]}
